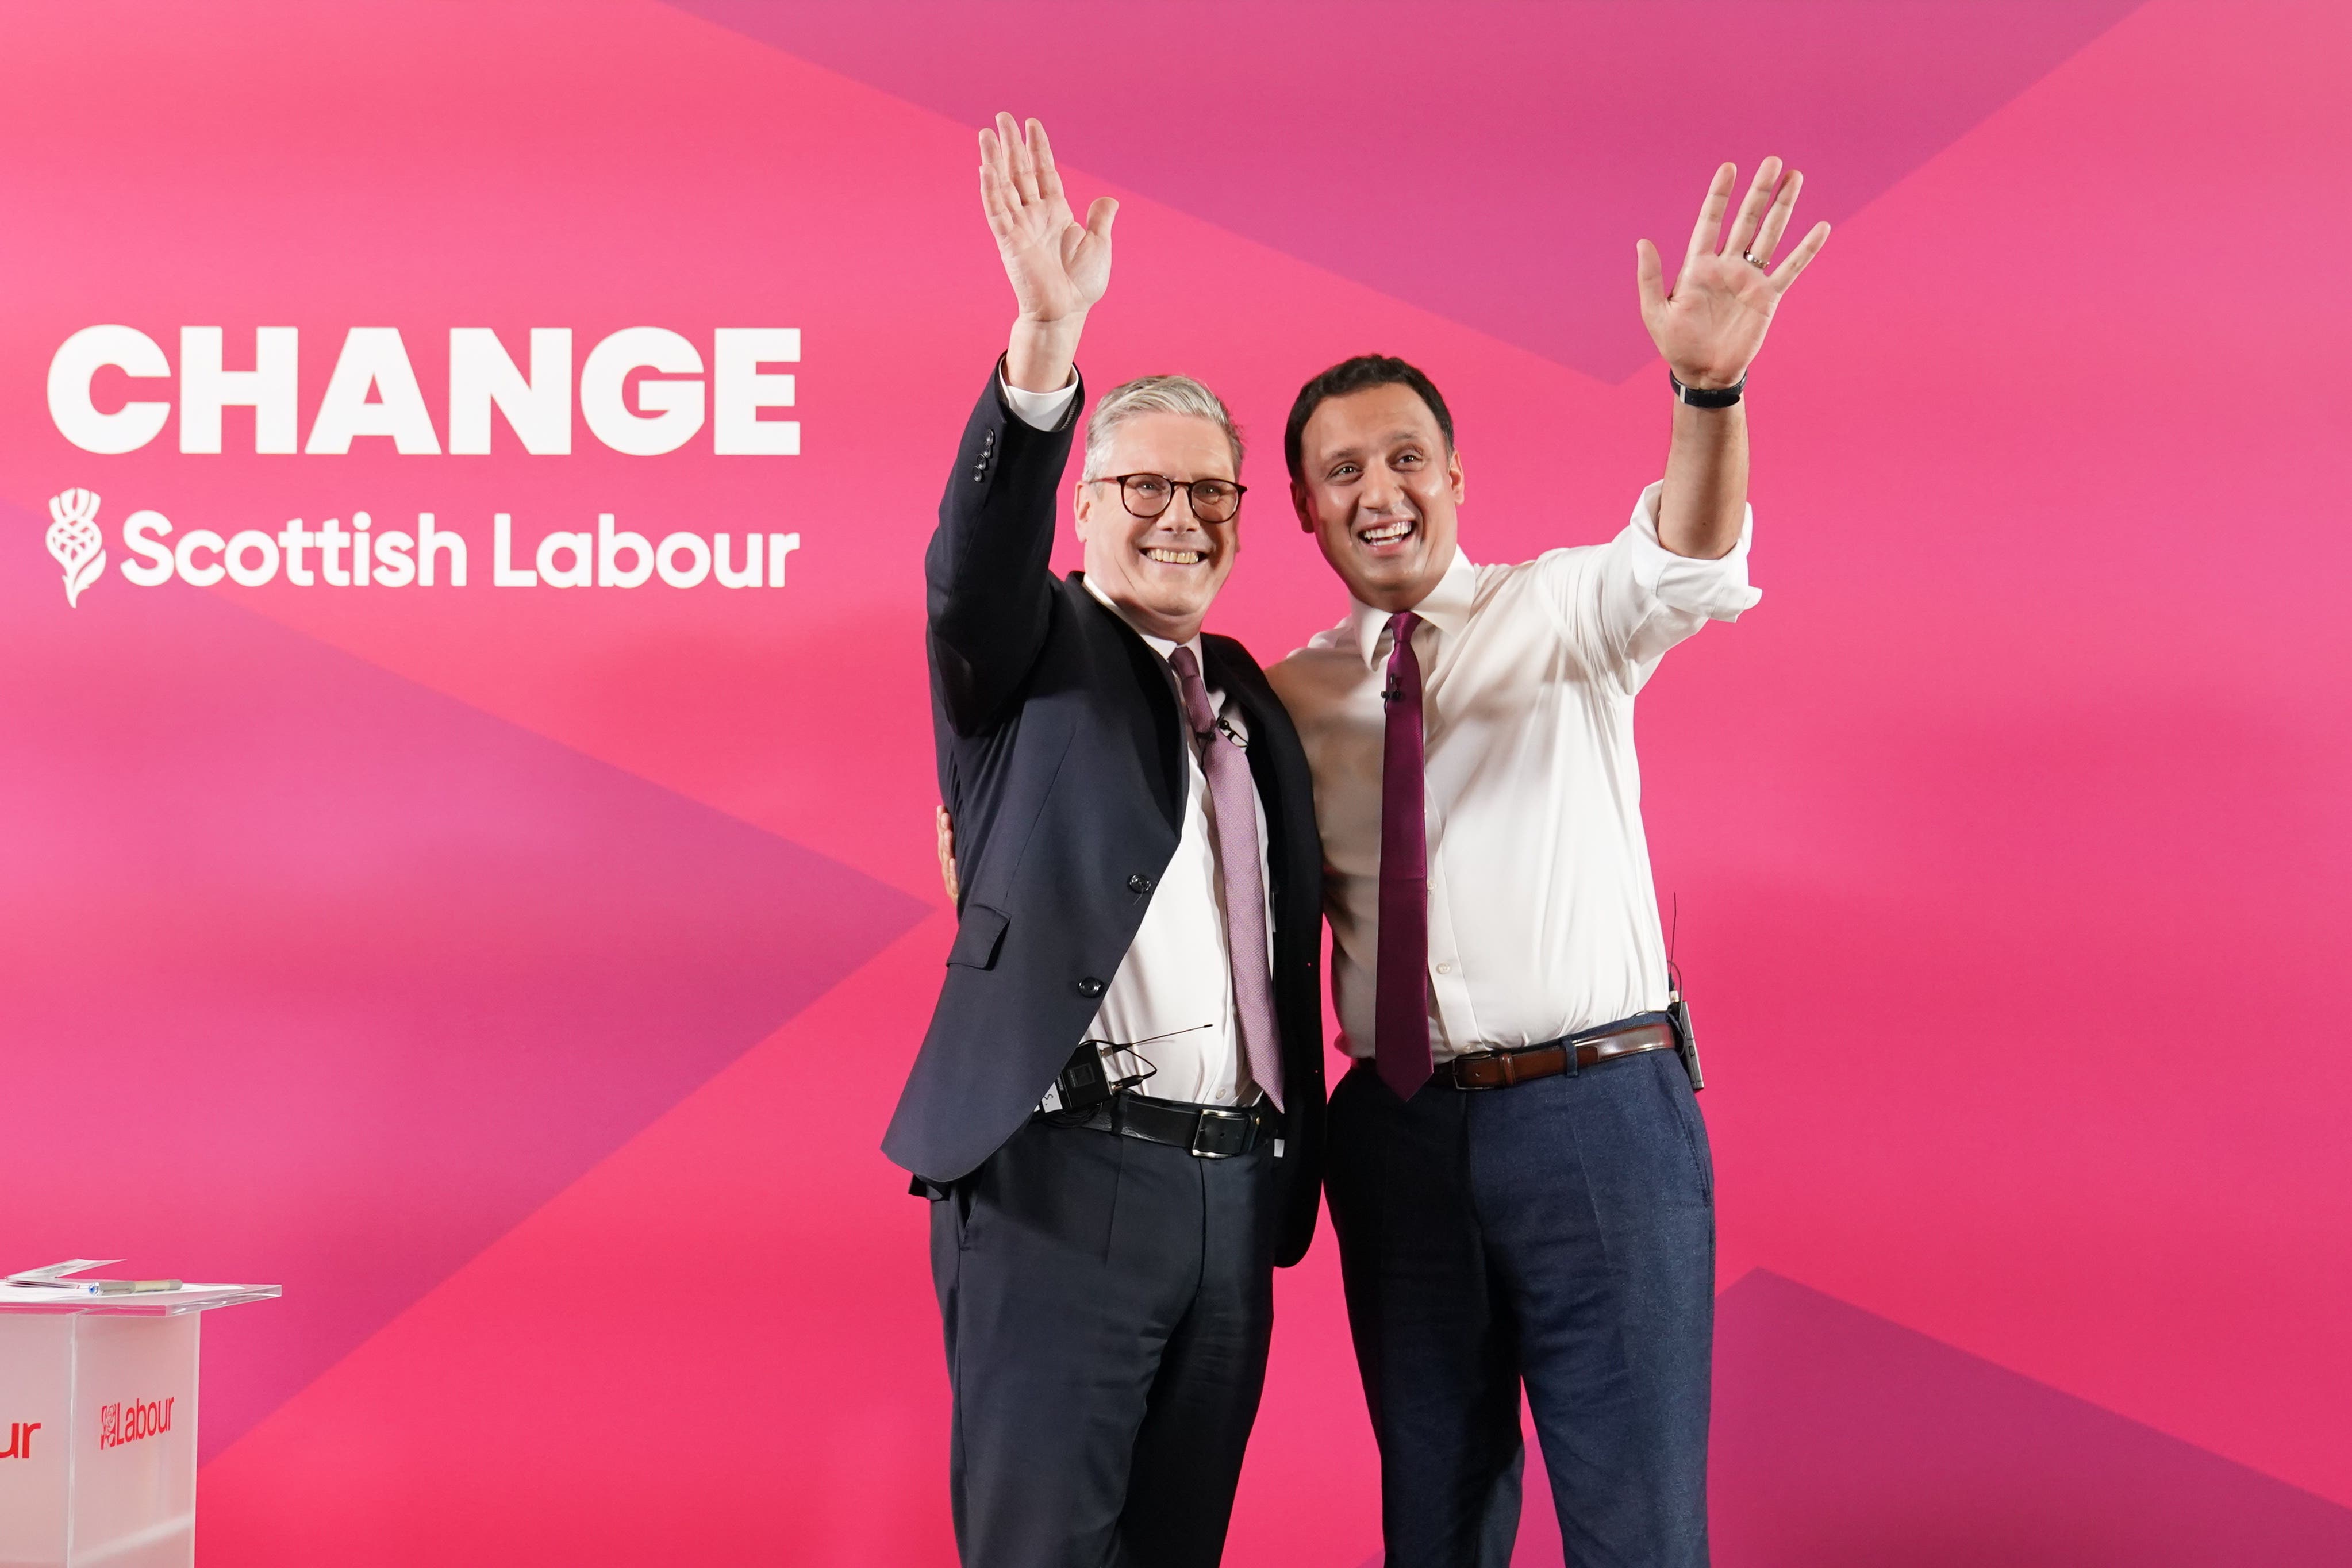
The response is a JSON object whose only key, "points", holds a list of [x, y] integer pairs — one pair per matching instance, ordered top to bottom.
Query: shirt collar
{"points": [[1446, 606], [1159, 646]]}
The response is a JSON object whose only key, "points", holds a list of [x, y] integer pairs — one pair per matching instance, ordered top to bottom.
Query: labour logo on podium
{"points": [[147, 1418]]}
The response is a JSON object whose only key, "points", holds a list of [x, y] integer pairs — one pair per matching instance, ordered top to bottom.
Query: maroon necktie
{"points": [[1234, 797], [1400, 982]]}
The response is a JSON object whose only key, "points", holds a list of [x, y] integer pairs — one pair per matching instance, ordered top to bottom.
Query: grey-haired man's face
{"points": [[1165, 571]]}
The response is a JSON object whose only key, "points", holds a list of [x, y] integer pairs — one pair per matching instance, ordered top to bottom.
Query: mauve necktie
{"points": [[1234, 799], [1400, 980]]}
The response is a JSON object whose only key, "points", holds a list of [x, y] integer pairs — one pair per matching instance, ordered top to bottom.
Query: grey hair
{"points": [[1155, 394]]}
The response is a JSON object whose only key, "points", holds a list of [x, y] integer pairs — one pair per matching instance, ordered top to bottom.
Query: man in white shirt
{"points": [[1518, 1171]]}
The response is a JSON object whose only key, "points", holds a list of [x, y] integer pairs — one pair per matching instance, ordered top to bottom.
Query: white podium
{"points": [[98, 1424]]}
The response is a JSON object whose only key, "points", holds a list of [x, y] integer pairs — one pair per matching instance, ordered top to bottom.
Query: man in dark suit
{"points": [[1117, 1112]]}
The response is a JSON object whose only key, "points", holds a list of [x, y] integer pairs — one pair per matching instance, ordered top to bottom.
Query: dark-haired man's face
{"points": [[1377, 485]]}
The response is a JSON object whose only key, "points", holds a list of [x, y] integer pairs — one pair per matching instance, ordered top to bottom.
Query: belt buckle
{"points": [[1502, 1060], [1223, 1116]]}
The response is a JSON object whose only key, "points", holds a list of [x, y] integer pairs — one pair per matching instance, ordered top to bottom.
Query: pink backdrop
{"points": [[524, 976]]}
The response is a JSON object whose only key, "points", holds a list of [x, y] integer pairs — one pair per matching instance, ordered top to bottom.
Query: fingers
{"points": [[995, 142], [1022, 167], [1016, 169], [996, 178], [1049, 179], [996, 195], [1751, 209], [1710, 213], [1099, 215], [1777, 220], [1809, 248], [1649, 277], [945, 827]]}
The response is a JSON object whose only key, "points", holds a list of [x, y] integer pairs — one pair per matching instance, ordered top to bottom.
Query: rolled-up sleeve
{"points": [[1717, 589], [1632, 599]]}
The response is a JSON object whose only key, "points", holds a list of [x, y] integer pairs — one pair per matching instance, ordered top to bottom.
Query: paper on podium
{"points": [[57, 1270], [47, 1289], [188, 1298]]}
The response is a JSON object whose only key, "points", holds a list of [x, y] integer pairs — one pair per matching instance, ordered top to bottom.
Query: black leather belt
{"points": [[1211, 1132]]}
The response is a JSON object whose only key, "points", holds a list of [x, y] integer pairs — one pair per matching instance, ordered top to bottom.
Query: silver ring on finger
{"points": [[1753, 259]]}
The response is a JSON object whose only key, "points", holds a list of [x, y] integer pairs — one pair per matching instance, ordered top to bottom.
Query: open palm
{"points": [[1058, 268], [1711, 326]]}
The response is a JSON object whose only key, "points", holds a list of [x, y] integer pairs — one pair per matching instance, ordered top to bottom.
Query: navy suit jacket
{"points": [[1062, 760]]}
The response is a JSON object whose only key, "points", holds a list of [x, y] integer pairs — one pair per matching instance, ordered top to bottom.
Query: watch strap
{"points": [[1706, 397]]}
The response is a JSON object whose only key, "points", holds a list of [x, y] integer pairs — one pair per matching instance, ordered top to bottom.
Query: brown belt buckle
{"points": [[1455, 1069]]}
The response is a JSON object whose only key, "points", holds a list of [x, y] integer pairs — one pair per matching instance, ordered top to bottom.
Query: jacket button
{"points": [[1139, 883], [1090, 988]]}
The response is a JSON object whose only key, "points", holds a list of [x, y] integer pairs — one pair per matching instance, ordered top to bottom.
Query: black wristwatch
{"points": [[1706, 397]]}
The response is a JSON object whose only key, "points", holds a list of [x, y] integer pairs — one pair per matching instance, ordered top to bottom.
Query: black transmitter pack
{"points": [[1686, 1042], [1083, 1083]]}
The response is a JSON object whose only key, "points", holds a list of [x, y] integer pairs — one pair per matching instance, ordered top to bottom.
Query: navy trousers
{"points": [[1560, 1233], [1107, 1304]]}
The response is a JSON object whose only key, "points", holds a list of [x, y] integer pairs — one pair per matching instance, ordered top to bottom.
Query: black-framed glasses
{"points": [[1148, 495]]}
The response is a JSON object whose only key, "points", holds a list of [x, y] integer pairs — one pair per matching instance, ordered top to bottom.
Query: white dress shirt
{"points": [[1542, 918], [1172, 998]]}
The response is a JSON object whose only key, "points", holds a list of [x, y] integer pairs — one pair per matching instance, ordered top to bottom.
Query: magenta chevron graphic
{"points": [[1494, 87], [448, 867], [506, 959]]}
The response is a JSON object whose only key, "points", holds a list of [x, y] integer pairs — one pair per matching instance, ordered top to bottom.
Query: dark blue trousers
{"points": [[1559, 1234], [1107, 1304]]}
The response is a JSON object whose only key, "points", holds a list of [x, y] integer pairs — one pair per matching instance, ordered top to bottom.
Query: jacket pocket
{"points": [[978, 936], [964, 1197]]}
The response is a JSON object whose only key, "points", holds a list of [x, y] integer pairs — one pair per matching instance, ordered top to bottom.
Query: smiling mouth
{"points": [[1387, 533], [1175, 557]]}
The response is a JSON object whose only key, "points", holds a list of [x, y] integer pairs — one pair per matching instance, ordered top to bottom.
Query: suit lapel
{"points": [[1159, 727]]}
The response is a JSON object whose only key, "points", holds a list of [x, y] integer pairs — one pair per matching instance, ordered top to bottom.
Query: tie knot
{"points": [[1400, 630], [1198, 714]]}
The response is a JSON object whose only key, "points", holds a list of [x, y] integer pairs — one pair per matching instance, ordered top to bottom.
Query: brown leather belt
{"points": [[1501, 1069]]}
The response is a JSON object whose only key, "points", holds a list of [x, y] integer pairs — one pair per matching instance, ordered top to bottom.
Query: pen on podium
{"points": [[100, 1287]]}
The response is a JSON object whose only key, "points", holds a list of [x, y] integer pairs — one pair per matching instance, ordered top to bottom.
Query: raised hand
{"points": [[1058, 268], [1712, 324]]}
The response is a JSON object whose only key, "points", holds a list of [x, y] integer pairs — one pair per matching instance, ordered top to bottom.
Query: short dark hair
{"points": [[1360, 374]]}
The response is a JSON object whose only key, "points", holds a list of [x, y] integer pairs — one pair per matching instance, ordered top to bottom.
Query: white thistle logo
{"points": [[75, 541]]}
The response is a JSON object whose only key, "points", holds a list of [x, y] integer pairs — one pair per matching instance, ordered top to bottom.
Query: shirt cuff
{"points": [[1038, 410], [1717, 589]]}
